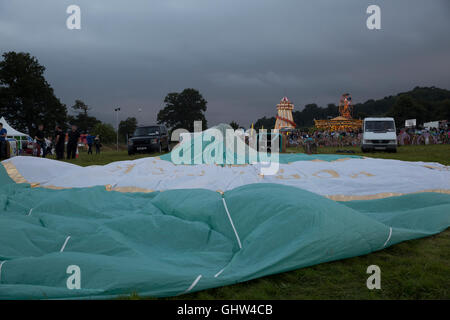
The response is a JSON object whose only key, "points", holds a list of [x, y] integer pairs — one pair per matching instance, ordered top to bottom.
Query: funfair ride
{"points": [[285, 120], [343, 122]]}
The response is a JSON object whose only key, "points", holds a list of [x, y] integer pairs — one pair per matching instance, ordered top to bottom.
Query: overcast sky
{"points": [[242, 55]]}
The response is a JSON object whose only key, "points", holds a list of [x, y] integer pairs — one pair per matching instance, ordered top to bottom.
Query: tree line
{"points": [[27, 100], [422, 103]]}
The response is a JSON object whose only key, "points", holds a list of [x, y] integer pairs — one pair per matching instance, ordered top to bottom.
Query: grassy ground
{"points": [[429, 153], [107, 155], [418, 269]]}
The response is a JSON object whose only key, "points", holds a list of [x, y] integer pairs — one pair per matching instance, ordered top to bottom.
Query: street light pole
{"points": [[117, 125]]}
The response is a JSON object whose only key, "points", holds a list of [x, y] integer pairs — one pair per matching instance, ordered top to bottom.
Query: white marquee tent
{"points": [[11, 132]]}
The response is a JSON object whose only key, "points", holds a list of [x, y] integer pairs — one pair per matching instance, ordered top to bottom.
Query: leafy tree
{"points": [[26, 98], [81, 106], [407, 108], [182, 109], [332, 110], [442, 110], [361, 115], [305, 118], [83, 121], [267, 123], [234, 125], [127, 127], [105, 131]]}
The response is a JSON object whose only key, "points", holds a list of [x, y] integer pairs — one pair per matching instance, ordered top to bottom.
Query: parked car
{"points": [[379, 134], [148, 139]]}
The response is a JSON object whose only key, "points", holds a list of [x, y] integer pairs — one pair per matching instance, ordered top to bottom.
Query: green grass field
{"points": [[429, 153], [418, 269]]}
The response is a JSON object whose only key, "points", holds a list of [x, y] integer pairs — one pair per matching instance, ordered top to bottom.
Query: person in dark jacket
{"points": [[3, 134], [60, 138], [40, 139], [90, 142], [72, 144], [97, 144]]}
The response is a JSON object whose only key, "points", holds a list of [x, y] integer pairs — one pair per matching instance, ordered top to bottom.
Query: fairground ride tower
{"points": [[285, 120]]}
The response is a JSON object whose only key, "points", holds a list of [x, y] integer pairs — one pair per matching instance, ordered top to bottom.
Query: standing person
{"points": [[3, 134], [74, 136], [40, 139], [90, 141], [59, 143], [98, 144]]}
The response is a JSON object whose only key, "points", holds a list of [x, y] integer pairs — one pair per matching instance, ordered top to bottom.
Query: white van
{"points": [[379, 134]]}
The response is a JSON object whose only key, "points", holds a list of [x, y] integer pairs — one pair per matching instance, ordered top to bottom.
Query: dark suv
{"points": [[148, 139]]}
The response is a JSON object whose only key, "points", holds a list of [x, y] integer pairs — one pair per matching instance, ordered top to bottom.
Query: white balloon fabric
{"points": [[342, 179], [158, 229]]}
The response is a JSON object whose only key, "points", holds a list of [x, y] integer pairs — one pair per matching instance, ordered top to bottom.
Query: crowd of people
{"points": [[423, 136], [324, 138], [62, 141], [58, 144]]}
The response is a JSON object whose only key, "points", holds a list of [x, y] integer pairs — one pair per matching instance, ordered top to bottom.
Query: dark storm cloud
{"points": [[242, 55]]}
